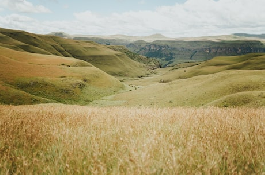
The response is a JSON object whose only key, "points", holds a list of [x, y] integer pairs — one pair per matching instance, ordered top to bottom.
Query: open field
{"points": [[58, 139]]}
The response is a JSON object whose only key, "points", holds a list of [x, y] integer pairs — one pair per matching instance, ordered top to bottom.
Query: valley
{"points": [[45, 69], [50, 69], [222, 81], [123, 87], [78, 107]]}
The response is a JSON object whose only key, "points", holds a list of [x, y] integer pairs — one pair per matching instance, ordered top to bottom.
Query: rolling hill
{"points": [[120, 38], [108, 60], [150, 62], [50, 69], [29, 78], [222, 81]]}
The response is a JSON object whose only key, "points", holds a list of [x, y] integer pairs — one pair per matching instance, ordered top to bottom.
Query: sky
{"points": [[172, 18]]}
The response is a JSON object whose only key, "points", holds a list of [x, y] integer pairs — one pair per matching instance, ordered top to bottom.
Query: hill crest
{"points": [[108, 60]]}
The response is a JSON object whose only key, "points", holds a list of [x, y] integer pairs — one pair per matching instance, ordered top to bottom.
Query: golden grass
{"points": [[16, 64], [55, 78], [199, 90], [58, 139]]}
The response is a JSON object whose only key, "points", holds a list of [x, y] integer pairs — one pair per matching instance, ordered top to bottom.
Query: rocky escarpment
{"points": [[170, 52], [173, 52]]}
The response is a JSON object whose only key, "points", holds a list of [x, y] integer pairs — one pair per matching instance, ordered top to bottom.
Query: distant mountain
{"points": [[61, 34], [261, 36], [155, 37], [122, 38], [170, 51], [173, 52]]}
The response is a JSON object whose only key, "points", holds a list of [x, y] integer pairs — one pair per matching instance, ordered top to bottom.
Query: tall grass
{"points": [[119, 140]]}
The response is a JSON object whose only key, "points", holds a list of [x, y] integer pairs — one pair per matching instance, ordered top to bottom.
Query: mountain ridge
{"points": [[172, 51], [108, 60]]}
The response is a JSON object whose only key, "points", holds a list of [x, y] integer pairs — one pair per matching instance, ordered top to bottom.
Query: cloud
{"points": [[142, 2], [23, 6], [66, 6], [193, 18], [16, 21], [22, 22]]}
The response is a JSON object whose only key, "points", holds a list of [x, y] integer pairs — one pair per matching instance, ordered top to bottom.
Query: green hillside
{"points": [[108, 60], [253, 61], [150, 62], [49, 69], [29, 78], [222, 81], [228, 88]]}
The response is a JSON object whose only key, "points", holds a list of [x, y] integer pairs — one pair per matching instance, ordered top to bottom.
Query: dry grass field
{"points": [[59, 139]]}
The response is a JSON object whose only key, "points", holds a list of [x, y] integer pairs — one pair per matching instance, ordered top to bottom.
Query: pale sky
{"points": [[173, 18]]}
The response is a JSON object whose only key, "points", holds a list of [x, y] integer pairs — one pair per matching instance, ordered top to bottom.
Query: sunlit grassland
{"points": [[108, 60], [253, 61], [29, 78], [222, 81], [223, 89], [58, 139]]}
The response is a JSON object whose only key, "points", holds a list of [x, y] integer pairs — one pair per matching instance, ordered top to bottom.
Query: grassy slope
{"points": [[253, 61], [112, 62], [150, 62], [27, 78], [223, 81], [221, 84]]}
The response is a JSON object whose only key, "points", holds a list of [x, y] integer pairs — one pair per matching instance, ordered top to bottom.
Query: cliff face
{"points": [[170, 52], [173, 52]]}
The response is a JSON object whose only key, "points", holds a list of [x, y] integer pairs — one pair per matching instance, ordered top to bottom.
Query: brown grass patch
{"points": [[18, 64], [118, 140]]}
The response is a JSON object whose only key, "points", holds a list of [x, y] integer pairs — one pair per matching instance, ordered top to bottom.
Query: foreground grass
{"points": [[119, 140]]}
